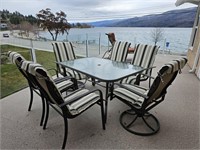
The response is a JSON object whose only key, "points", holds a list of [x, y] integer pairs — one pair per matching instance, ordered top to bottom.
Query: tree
{"points": [[30, 19], [54, 23], [26, 27], [157, 35]]}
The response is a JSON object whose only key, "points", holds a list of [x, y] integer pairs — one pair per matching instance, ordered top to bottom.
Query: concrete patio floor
{"points": [[179, 117]]}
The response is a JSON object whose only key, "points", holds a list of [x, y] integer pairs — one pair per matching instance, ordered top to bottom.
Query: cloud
{"points": [[90, 10]]}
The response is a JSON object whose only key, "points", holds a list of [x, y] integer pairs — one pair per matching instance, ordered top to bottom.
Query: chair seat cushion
{"points": [[74, 74], [131, 79], [63, 84], [126, 93], [83, 103]]}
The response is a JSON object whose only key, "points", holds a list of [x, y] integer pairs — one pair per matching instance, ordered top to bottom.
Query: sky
{"points": [[93, 10]]}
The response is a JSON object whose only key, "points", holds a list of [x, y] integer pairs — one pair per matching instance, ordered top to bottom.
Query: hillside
{"points": [[174, 18]]}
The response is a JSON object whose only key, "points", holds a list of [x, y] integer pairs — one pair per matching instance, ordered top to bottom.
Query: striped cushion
{"points": [[64, 51], [120, 51], [144, 56], [15, 57], [176, 65], [30, 67], [75, 74], [166, 75], [42, 77], [129, 80], [63, 84], [126, 94], [83, 103]]}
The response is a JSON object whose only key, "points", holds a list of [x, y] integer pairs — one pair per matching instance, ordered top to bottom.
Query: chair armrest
{"points": [[150, 68], [147, 75], [138, 76], [136, 92], [78, 97]]}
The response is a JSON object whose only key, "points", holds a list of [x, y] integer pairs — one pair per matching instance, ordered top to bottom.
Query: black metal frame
{"points": [[64, 109], [143, 111], [140, 113], [66, 115], [129, 126]]}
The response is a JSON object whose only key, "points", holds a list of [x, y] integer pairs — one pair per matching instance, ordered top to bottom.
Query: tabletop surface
{"points": [[103, 69]]}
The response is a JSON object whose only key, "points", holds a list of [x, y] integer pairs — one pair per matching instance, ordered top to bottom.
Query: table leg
{"points": [[106, 101]]}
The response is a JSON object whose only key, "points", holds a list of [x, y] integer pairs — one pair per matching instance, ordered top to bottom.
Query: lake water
{"points": [[178, 38]]}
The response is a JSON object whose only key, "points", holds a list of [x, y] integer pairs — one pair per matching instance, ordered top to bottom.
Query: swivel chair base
{"points": [[143, 125]]}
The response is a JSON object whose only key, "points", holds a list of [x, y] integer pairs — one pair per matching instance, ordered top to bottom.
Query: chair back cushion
{"points": [[63, 51], [120, 51], [144, 56], [15, 58], [22, 65], [25, 71], [165, 77], [45, 83]]}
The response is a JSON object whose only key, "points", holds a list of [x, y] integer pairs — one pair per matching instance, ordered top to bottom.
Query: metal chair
{"points": [[112, 40], [64, 51], [118, 51], [144, 55], [62, 83], [141, 100], [69, 106]]}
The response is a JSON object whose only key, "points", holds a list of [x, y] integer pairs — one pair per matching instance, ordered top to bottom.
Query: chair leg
{"points": [[93, 81], [31, 99], [43, 111], [47, 115], [103, 116], [66, 131]]}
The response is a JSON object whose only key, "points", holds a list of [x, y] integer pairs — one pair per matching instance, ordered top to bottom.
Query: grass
{"points": [[11, 78]]}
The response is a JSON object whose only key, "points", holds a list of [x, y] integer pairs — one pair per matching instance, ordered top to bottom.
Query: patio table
{"points": [[103, 70]]}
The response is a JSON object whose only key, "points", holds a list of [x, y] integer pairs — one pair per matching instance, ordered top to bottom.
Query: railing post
{"points": [[86, 43], [99, 43], [164, 46], [33, 56]]}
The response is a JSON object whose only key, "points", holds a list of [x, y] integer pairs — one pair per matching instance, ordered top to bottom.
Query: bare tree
{"points": [[54, 23], [26, 27], [36, 30], [157, 34]]}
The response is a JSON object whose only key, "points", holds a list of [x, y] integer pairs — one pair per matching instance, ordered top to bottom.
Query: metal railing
{"points": [[88, 45]]}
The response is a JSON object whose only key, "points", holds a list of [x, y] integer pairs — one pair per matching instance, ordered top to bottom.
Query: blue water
{"points": [[177, 38]]}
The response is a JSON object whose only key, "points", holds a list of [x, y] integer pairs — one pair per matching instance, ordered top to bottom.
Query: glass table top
{"points": [[103, 69]]}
